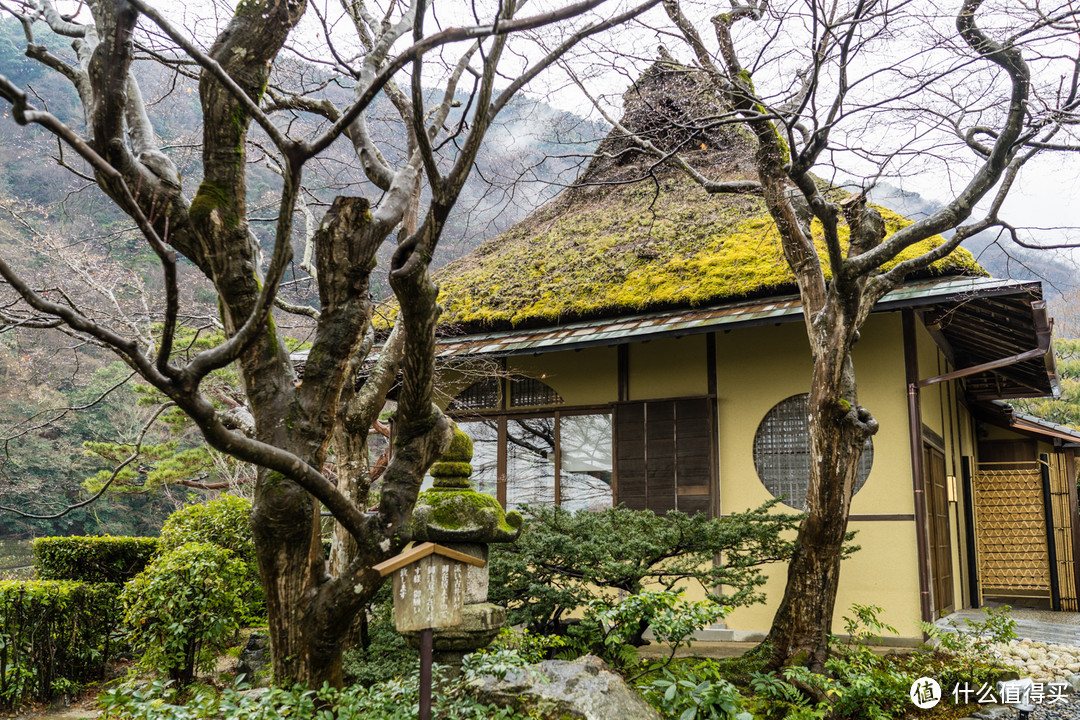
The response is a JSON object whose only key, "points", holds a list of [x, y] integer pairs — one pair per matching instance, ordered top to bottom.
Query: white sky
{"points": [[1044, 197]]}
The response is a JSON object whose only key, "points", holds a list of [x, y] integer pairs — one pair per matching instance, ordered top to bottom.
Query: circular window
{"points": [[782, 452]]}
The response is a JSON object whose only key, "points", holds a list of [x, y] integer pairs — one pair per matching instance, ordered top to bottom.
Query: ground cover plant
{"points": [[857, 682], [389, 700]]}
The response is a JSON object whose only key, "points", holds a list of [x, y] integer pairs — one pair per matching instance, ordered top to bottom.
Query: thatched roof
{"points": [[607, 247]]}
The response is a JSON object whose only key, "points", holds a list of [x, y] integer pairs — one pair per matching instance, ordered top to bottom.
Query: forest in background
{"points": [[66, 412]]}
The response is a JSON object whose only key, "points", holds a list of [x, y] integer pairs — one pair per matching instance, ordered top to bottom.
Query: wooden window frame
{"points": [[502, 417]]}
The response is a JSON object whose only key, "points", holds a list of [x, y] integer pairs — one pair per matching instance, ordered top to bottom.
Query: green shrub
{"points": [[226, 523], [102, 559], [565, 560], [184, 607], [610, 629], [53, 634], [383, 653], [696, 692]]}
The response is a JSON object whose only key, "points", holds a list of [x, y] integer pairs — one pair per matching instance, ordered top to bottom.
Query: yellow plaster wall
{"points": [[759, 367], [668, 368], [581, 377], [885, 573]]}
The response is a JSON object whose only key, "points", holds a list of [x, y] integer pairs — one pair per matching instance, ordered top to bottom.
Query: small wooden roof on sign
{"points": [[411, 555]]}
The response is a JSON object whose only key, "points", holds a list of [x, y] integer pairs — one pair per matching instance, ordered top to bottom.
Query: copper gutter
{"points": [[1042, 333], [911, 363]]}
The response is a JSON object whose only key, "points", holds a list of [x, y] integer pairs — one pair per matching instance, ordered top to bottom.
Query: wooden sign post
{"points": [[429, 590]]}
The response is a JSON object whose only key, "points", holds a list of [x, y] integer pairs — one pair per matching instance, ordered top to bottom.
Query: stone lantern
{"points": [[454, 515]]}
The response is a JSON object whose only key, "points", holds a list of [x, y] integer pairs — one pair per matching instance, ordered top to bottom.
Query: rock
{"points": [[1022, 654], [255, 657], [1073, 681], [558, 689], [993, 712]]}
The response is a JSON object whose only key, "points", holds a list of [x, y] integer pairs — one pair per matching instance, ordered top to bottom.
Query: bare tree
{"points": [[390, 52], [853, 89]]}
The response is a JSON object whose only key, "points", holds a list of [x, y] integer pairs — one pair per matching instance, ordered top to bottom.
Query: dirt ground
{"points": [[81, 708]]}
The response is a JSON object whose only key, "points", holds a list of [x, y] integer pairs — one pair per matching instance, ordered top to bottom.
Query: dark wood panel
{"points": [[629, 429], [694, 443], [1008, 451], [664, 454], [660, 456], [693, 504]]}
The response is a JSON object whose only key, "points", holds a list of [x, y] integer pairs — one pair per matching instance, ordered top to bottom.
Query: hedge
{"points": [[102, 559], [54, 633]]}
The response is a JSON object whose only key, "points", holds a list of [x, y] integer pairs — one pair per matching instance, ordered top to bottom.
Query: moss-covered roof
{"points": [[606, 247], [607, 250]]}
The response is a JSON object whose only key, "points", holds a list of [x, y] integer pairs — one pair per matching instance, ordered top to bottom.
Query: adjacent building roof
{"points": [[1026, 422]]}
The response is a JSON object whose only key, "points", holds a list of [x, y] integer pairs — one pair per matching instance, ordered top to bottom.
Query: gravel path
{"points": [[1066, 710]]}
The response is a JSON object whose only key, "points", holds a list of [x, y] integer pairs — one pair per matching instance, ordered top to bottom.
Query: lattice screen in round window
{"points": [[782, 451]]}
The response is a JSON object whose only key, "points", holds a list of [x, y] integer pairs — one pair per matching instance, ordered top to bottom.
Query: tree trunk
{"points": [[838, 431], [353, 469]]}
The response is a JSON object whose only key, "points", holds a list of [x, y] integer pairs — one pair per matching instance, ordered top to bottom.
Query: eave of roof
{"points": [[964, 304], [729, 315]]}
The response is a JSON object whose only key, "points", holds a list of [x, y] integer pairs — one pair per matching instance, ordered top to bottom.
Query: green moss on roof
{"points": [[614, 250]]}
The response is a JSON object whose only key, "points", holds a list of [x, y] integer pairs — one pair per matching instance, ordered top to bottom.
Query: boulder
{"points": [[255, 657], [559, 690]]}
